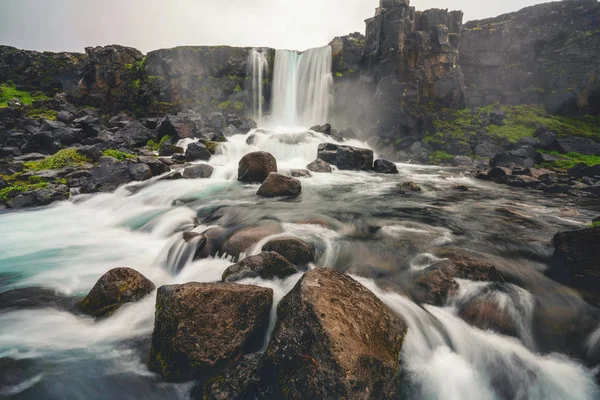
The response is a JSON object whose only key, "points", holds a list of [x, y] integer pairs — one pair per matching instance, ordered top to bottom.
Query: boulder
{"points": [[175, 126], [325, 129], [132, 135], [43, 142], [576, 144], [487, 149], [166, 150], [197, 151], [346, 157], [511, 159], [319, 166], [156, 167], [256, 167], [385, 167], [583, 170], [198, 171], [139, 172], [498, 172], [300, 173], [107, 176], [277, 185], [408, 187], [41, 197], [242, 240], [296, 251], [577, 256], [266, 265], [432, 286], [117, 287], [35, 297], [485, 313], [200, 328], [334, 339], [238, 381]]}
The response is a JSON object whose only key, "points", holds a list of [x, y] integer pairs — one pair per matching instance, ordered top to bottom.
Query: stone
{"points": [[175, 126], [133, 135], [43, 143], [576, 144], [167, 149], [487, 149], [197, 151], [91, 152], [346, 157], [510, 160], [156, 166], [319, 166], [256, 167], [385, 167], [583, 170], [198, 171], [139, 172], [498, 172], [300, 173], [107, 176], [277, 185], [407, 187], [40, 197], [242, 240], [296, 251], [577, 257], [266, 265], [432, 286], [117, 287], [35, 297], [486, 314], [201, 328], [334, 339], [238, 381]]}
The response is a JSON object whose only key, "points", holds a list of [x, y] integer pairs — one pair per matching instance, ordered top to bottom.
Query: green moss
{"points": [[339, 75], [238, 88], [9, 92], [224, 105], [240, 106], [42, 113], [155, 146], [211, 146], [118, 154], [439, 156], [63, 158], [572, 159], [10, 192], [596, 224]]}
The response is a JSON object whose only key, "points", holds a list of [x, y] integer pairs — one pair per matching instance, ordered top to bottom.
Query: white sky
{"points": [[71, 25]]}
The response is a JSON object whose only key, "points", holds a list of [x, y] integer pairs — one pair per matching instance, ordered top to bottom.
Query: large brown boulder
{"points": [[319, 166], [256, 167], [277, 185], [242, 240], [296, 251], [577, 255], [266, 265], [433, 286], [115, 288], [487, 314], [200, 328], [334, 339]]}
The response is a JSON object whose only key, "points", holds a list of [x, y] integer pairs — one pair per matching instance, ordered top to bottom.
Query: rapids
{"points": [[359, 223]]}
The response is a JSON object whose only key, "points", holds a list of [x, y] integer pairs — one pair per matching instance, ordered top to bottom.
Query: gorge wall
{"points": [[388, 83]]}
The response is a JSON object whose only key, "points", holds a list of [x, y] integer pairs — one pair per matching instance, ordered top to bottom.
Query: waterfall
{"points": [[258, 67], [302, 85]]}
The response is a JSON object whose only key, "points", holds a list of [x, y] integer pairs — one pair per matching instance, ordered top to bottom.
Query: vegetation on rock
{"points": [[9, 92], [118, 154], [61, 159]]}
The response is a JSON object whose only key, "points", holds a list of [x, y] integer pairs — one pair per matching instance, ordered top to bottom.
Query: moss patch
{"points": [[9, 92], [42, 113], [154, 145], [118, 154], [439, 156], [63, 158], [572, 159], [10, 192]]}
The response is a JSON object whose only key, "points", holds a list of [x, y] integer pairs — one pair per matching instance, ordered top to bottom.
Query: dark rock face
{"points": [[531, 57], [197, 151], [346, 157], [319, 166], [256, 167], [385, 167], [198, 171], [277, 185], [296, 251], [577, 254], [266, 265], [115, 288], [202, 327], [307, 356]]}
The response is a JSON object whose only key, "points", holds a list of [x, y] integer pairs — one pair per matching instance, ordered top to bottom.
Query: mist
{"points": [[72, 25]]}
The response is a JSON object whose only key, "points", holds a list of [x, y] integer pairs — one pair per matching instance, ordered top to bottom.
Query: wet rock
{"points": [[175, 126], [325, 129], [132, 135], [43, 142], [576, 144], [487, 149], [167, 150], [197, 151], [91, 152], [346, 157], [541, 158], [511, 160], [156, 166], [319, 166], [256, 167], [385, 167], [583, 170], [198, 171], [139, 172], [498, 172], [300, 173], [175, 175], [107, 176], [523, 181], [3, 184], [277, 185], [408, 187], [461, 188], [41, 197], [242, 240], [214, 242], [296, 251], [577, 256], [266, 265], [465, 266], [433, 286], [114, 289], [35, 297], [487, 314], [200, 328], [334, 339], [237, 382]]}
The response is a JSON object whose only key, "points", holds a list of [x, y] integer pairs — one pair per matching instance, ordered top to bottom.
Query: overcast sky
{"points": [[71, 25]]}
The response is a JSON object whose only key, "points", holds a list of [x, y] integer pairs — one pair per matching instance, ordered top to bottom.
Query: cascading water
{"points": [[258, 67], [302, 84]]}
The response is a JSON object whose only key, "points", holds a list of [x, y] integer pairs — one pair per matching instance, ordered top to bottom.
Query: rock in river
{"points": [[346, 157], [256, 167], [277, 185], [296, 251], [266, 265], [200, 328], [334, 340]]}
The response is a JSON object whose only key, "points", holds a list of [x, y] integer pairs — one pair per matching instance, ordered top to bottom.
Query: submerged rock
{"points": [[197, 151], [346, 157], [319, 166], [256, 167], [385, 167], [198, 171], [300, 173], [277, 185], [407, 187], [41, 197], [242, 240], [296, 251], [266, 265], [433, 286], [114, 289], [34, 297], [487, 314], [200, 328], [334, 339]]}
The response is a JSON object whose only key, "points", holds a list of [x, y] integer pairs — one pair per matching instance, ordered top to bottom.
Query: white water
{"points": [[258, 67], [302, 84]]}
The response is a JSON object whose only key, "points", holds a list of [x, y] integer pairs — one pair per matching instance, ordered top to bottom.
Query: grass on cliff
{"points": [[9, 92], [521, 121], [61, 159], [571, 160], [10, 192]]}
